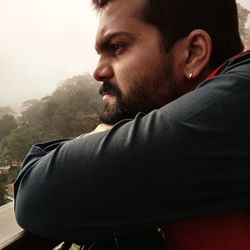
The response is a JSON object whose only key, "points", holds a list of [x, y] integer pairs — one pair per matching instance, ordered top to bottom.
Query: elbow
{"points": [[25, 216], [28, 216]]}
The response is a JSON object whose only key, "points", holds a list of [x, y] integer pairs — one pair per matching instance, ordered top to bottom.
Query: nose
{"points": [[103, 71]]}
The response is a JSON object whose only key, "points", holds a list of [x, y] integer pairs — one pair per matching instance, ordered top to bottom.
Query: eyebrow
{"points": [[103, 44]]}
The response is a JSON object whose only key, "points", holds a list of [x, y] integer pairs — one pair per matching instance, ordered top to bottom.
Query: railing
{"points": [[12, 237]]}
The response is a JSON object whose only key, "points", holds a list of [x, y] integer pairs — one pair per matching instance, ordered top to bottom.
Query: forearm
{"points": [[147, 172]]}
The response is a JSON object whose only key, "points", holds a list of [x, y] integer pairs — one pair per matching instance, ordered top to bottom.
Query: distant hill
{"points": [[6, 110]]}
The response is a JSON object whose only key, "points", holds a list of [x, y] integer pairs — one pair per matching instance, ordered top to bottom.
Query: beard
{"points": [[147, 92], [112, 114]]}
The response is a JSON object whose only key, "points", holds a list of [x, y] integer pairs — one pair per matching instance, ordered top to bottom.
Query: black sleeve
{"points": [[188, 158]]}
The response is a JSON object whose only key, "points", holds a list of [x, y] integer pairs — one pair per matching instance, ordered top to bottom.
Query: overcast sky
{"points": [[43, 42]]}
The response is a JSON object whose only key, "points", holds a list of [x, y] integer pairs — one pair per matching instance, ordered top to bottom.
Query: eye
{"points": [[117, 48]]}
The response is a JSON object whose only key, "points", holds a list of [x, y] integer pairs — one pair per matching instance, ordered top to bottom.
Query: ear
{"points": [[199, 50]]}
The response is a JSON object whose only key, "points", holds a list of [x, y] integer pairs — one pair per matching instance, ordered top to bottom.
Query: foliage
{"points": [[243, 17], [6, 110], [70, 111], [7, 124], [17, 144], [3, 199]]}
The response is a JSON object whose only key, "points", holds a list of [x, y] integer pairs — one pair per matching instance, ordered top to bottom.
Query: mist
{"points": [[43, 43]]}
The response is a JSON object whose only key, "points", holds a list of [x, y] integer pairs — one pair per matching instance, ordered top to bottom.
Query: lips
{"points": [[109, 92]]}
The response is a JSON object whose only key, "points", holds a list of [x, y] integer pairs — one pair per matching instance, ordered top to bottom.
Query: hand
{"points": [[100, 128]]}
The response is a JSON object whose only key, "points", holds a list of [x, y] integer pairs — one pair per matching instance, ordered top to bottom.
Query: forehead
{"points": [[120, 15]]}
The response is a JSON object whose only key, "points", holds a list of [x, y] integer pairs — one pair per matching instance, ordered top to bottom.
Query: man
{"points": [[185, 156]]}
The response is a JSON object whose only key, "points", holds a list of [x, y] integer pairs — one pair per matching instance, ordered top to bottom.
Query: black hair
{"points": [[175, 19]]}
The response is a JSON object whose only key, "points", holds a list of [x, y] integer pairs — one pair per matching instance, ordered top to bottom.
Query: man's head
{"points": [[153, 51]]}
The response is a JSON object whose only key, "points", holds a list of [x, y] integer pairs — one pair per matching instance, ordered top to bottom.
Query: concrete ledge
{"points": [[9, 230], [12, 237]]}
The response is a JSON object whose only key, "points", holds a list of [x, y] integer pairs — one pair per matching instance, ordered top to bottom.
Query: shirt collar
{"points": [[214, 72]]}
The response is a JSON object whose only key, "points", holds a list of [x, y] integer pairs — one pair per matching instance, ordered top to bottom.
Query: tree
{"points": [[243, 17], [29, 103], [79, 105], [6, 110], [70, 111], [7, 124], [17, 144], [3, 199]]}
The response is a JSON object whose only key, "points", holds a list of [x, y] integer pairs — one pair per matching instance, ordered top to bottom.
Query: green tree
{"points": [[77, 104], [70, 111], [7, 123], [17, 144], [3, 200]]}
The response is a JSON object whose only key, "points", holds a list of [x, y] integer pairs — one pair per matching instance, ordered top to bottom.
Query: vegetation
{"points": [[243, 17], [6, 110], [70, 111], [7, 124], [6, 180], [3, 199]]}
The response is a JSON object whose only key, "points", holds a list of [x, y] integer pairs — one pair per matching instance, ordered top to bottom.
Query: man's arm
{"points": [[100, 128], [188, 158]]}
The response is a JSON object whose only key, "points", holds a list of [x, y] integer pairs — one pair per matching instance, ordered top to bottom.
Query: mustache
{"points": [[110, 88]]}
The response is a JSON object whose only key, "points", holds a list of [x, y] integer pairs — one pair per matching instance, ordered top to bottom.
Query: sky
{"points": [[44, 42]]}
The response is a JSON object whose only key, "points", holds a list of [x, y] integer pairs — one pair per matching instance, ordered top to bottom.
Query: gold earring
{"points": [[190, 76]]}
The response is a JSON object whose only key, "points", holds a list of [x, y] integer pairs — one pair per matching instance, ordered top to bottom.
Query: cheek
{"points": [[132, 68], [126, 72]]}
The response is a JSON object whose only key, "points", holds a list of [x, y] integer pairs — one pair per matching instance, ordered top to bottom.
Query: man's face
{"points": [[136, 72]]}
